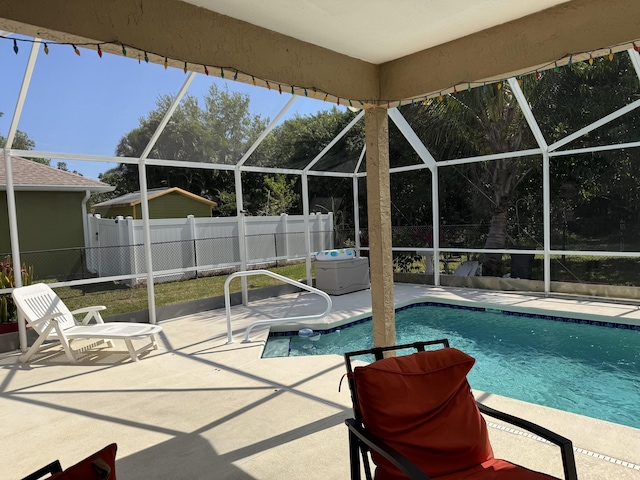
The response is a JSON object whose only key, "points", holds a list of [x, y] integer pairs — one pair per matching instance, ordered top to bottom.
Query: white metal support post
{"points": [[430, 162], [142, 174], [305, 187], [546, 189], [11, 196], [356, 203], [546, 211], [240, 212], [435, 213], [356, 215], [307, 233], [13, 235], [242, 241]]}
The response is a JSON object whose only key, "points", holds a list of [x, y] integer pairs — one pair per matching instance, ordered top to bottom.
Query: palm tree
{"points": [[481, 121]]}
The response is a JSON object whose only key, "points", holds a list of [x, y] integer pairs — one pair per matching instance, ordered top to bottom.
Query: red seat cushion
{"points": [[422, 406], [99, 466], [496, 469]]}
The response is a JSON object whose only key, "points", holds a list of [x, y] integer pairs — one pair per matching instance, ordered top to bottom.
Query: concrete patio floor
{"points": [[198, 408]]}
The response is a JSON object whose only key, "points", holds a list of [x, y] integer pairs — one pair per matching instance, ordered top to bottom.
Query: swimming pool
{"points": [[582, 368]]}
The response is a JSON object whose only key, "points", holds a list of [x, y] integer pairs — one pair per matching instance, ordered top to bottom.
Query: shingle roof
{"points": [[36, 176], [130, 199]]}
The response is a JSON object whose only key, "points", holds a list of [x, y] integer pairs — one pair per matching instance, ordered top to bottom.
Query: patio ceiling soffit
{"points": [[188, 37]]}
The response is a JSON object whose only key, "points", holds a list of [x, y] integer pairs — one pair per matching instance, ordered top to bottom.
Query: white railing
{"points": [[270, 321]]}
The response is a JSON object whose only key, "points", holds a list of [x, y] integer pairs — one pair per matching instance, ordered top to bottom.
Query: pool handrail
{"points": [[246, 273]]}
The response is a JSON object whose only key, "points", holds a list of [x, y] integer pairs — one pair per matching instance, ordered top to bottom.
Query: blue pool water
{"points": [[586, 369]]}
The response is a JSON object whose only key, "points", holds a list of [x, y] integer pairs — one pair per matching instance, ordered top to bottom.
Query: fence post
{"points": [[284, 218], [330, 229], [319, 231], [192, 233], [90, 234], [131, 239], [120, 241], [275, 247], [97, 252], [85, 274]]}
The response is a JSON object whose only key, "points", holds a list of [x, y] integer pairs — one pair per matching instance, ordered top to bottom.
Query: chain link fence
{"points": [[421, 236], [275, 248], [177, 259], [616, 269]]}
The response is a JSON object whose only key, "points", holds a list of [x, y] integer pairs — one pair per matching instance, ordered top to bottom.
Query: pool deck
{"points": [[199, 408]]}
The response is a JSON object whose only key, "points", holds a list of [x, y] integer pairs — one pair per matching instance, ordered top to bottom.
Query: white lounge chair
{"points": [[467, 269], [51, 319]]}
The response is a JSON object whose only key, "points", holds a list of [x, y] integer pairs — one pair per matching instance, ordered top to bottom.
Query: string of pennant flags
{"points": [[313, 92]]}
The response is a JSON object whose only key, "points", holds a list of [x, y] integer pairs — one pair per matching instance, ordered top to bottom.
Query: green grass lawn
{"points": [[617, 271], [123, 299]]}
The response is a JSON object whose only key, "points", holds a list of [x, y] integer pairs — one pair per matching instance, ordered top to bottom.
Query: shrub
{"points": [[7, 280]]}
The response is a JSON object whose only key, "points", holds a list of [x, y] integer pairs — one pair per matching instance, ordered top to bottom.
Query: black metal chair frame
{"points": [[361, 440], [53, 467]]}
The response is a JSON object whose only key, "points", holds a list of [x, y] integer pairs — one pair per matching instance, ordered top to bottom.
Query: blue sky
{"points": [[85, 104]]}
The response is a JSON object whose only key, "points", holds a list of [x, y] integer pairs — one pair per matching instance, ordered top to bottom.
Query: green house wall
{"points": [[170, 205], [113, 212], [46, 221]]}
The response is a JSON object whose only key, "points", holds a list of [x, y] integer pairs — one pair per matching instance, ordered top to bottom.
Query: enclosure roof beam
{"points": [[635, 60], [26, 81], [528, 114], [167, 116], [597, 124], [266, 131], [412, 138], [334, 141], [601, 148], [362, 154], [494, 156]]}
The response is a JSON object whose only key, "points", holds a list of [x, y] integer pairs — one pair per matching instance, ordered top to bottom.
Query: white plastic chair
{"points": [[43, 311]]}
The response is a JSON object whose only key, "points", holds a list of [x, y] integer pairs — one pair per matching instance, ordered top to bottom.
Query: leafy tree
{"points": [[219, 132], [22, 141], [297, 141], [63, 166], [115, 177], [602, 186], [280, 195], [226, 203]]}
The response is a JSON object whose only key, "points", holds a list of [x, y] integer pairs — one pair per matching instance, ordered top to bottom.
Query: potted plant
{"points": [[8, 313]]}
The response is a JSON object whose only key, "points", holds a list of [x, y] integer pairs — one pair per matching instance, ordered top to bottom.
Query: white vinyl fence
{"points": [[184, 248]]}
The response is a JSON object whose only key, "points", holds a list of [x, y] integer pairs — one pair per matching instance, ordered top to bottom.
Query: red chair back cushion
{"points": [[422, 406], [99, 466]]}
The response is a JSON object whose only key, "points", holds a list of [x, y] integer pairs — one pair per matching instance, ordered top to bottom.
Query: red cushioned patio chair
{"points": [[418, 418], [98, 466]]}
